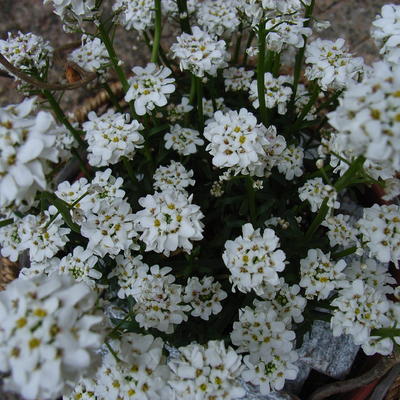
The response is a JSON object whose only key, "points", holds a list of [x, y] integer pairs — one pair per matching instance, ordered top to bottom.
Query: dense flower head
{"points": [[170, 7], [135, 14], [218, 16], [386, 33], [26, 51], [200, 53], [91, 55], [331, 65], [237, 79], [150, 87], [277, 92], [208, 106], [177, 112], [368, 116], [110, 137], [236, 139], [183, 140], [27, 144], [291, 162], [172, 177], [315, 191], [169, 221], [380, 227], [341, 231], [10, 239], [254, 259], [320, 275], [204, 296], [159, 301], [360, 309], [48, 334], [203, 372]]}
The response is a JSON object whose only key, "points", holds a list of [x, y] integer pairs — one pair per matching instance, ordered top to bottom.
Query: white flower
{"points": [[171, 7], [135, 14], [218, 16], [386, 33], [27, 52], [199, 53], [92, 55], [331, 65], [237, 79], [150, 87], [277, 92], [302, 98], [208, 106], [176, 112], [367, 116], [110, 137], [183, 140], [236, 140], [27, 144], [291, 162], [172, 177], [217, 189], [392, 189], [315, 191], [169, 221], [380, 227], [110, 228], [340, 231], [42, 238], [10, 241], [254, 259], [80, 265], [129, 272], [372, 273], [320, 275], [204, 296], [159, 301], [360, 308], [48, 334], [139, 372], [203, 372]]}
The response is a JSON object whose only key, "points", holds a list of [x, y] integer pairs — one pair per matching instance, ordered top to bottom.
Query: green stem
{"points": [[184, 22], [157, 32], [105, 38], [238, 44], [248, 44], [300, 55], [269, 61], [277, 65], [260, 73], [192, 89], [199, 93], [112, 97], [62, 117], [82, 163], [128, 167], [344, 253]]}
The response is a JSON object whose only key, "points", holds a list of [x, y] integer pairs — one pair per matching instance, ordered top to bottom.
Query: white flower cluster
{"points": [[170, 7], [73, 12], [135, 14], [218, 16], [386, 33], [27, 52], [199, 53], [91, 56], [331, 65], [237, 79], [150, 87], [277, 92], [208, 106], [176, 112], [367, 116], [110, 137], [183, 140], [237, 140], [27, 144], [291, 162], [172, 177], [315, 191], [168, 222], [380, 227], [341, 231], [10, 240], [254, 259], [320, 275], [204, 296], [158, 300], [360, 309], [48, 334], [270, 345], [139, 372], [206, 372]]}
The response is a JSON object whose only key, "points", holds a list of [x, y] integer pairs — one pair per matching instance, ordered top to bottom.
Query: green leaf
{"points": [[6, 222]]}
